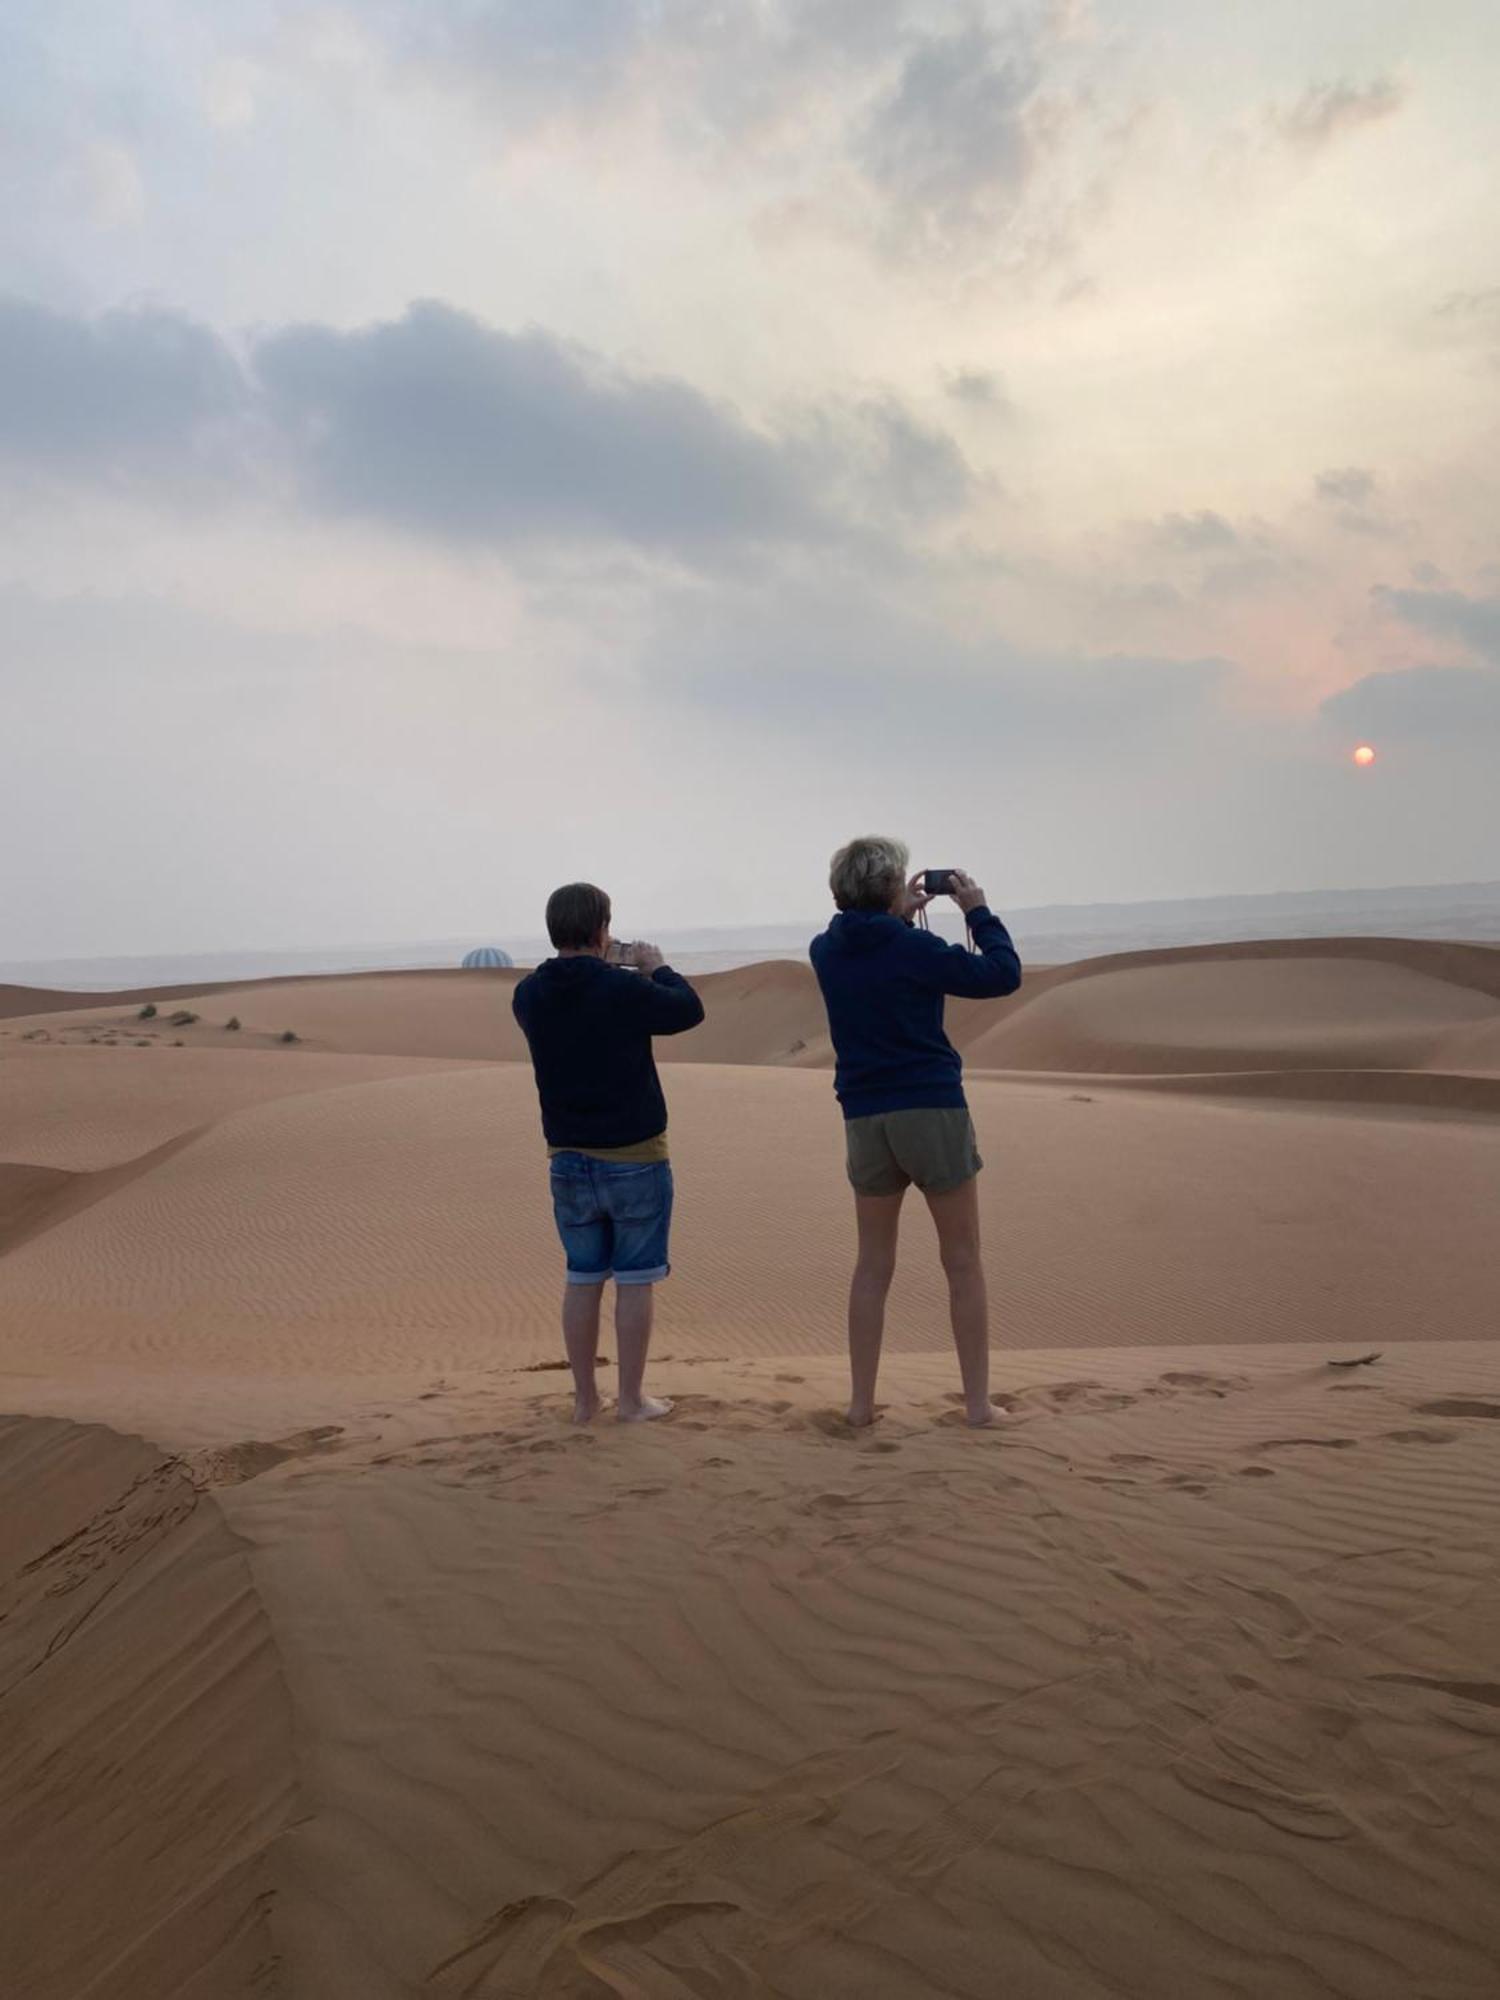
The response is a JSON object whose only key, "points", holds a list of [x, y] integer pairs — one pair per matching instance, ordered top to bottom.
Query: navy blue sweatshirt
{"points": [[883, 984], [589, 1027]]}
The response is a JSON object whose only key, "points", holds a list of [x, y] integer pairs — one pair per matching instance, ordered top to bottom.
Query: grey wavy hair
{"points": [[868, 872]]}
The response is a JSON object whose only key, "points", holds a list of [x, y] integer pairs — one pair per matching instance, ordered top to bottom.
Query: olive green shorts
{"points": [[934, 1148]]}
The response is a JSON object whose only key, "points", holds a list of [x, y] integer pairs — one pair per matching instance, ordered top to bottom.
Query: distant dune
{"points": [[1342, 1004]]}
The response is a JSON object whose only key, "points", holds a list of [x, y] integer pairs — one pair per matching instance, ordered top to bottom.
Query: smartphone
{"points": [[938, 881], [620, 953]]}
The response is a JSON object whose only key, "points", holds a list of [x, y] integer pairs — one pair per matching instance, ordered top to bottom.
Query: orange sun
{"points": [[1364, 756]]}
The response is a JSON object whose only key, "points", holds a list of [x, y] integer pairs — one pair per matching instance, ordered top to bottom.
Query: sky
{"points": [[450, 447]]}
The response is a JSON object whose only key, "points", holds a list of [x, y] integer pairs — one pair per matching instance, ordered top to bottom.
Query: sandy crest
{"points": [[146, 1765]]}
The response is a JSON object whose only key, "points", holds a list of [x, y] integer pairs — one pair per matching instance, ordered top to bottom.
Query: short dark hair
{"points": [[576, 913]]}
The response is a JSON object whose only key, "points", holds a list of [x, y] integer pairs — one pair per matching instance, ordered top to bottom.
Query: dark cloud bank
{"points": [[441, 426], [1458, 704]]}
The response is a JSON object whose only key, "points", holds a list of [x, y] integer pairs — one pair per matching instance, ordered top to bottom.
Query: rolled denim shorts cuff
{"points": [[587, 1277], [653, 1277]]}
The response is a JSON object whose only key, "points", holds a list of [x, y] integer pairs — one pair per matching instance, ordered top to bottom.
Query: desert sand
{"points": [[337, 1665]]}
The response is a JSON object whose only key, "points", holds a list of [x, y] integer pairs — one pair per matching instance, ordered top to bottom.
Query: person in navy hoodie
{"points": [[588, 1016], [899, 1083]]}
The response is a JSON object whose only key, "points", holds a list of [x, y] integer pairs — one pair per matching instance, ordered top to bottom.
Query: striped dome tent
{"points": [[486, 958]]}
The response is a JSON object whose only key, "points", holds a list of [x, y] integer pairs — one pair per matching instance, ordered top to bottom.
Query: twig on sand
{"points": [[1359, 1361]]}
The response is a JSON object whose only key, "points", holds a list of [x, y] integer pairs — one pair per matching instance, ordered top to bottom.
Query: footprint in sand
{"points": [[1207, 1385], [1457, 1406], [834, 1424], [1311, 1443], [234, 1464], [1487, 1693]]}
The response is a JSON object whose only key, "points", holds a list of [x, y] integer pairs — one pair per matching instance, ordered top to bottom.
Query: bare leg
{"points": [[878, 1218], [957, 1218], [634, 1310], [580, 1323]]}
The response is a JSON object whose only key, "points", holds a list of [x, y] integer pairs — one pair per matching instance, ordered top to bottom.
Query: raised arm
{"points": [[989, 972], [670, 1005]]}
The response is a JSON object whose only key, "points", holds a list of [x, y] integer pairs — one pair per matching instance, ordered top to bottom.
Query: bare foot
{"points": [[585, 1409], [643, 1411], [859, 1416], [979, 1417]]}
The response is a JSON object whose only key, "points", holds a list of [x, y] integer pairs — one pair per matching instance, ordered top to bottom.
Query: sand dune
{"points": [[1303, 1004], [1246, 1011], [82, 1109], [356, 1226], [371, 1677], [1182, 1681], [146, 1758]]}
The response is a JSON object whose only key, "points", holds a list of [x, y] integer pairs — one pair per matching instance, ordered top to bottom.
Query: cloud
{"points": [[539, 54], [729, 74], [930, 104], [1328, 111], [913, 127], [949, 146], [103, 181], [1482, 305], [1471, 319], [977, 389], [130, 396], [440, 426], [878, 463], [1346, 486], [1194, 534], [1449, 614], [827, 660], [1417, 703]]}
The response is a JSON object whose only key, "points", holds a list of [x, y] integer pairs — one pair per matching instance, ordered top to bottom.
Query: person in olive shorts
{"points": [[588, 1016], [899, 1082]]}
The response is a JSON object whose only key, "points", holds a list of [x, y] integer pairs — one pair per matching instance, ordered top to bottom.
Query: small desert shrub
{"points": [[148, 1012], [182, 1018], [232, 1024], [286, 1035]]}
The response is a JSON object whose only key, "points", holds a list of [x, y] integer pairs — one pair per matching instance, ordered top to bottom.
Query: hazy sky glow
{"points": [[447, 446]]}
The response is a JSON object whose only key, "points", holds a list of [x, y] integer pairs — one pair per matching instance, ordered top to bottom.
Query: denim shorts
{"points": [[614, 1217]]}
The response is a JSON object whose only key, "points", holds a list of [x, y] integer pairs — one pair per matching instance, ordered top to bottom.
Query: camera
{"points": [[938, 881]]}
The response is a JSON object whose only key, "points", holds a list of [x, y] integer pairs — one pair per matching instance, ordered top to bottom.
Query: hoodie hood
{"points": [[861, 931], [566, 980]]}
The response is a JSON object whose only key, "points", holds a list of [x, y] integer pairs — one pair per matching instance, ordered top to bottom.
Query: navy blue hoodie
{"points": [[883, 984], [589, 1027]]}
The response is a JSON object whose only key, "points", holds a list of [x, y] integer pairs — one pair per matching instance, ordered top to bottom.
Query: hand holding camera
{"points": [[953, 882], [634, 957]]}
